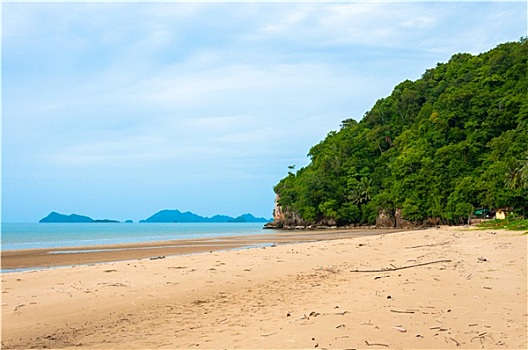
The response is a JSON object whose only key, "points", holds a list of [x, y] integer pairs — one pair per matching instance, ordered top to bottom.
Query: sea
{"points": [[17, 236]]}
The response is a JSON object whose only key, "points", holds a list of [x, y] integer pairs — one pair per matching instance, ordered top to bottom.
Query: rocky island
{"points": [[163, 216], [177, 216], [73, 218]]}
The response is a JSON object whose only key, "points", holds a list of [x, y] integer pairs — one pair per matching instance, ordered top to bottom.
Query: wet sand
{"points": [[33, 258], [436, 288]]}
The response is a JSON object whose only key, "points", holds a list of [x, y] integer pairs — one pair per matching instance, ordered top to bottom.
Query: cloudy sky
{"points": [[118, 110]]}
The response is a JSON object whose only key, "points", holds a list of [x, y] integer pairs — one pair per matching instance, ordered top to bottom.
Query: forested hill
{"points": [[435, 150]]}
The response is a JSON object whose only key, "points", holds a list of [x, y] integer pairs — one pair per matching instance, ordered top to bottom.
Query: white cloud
{"points": [[191, 90]]}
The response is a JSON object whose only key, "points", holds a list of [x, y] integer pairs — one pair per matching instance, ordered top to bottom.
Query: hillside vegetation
{"points": [[435, 150]]}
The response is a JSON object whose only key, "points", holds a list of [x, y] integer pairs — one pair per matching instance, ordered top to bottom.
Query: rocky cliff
{"points": [[288, 220]]}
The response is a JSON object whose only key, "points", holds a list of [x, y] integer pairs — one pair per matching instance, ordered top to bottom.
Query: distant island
{"points": [[162, 216], [177, 216], [56, 217]]}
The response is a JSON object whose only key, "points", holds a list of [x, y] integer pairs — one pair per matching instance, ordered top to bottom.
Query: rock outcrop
{"points": [[283, 219], [385, 219], [288, 220]]}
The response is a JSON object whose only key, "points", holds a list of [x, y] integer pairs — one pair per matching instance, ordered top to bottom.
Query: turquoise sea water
{"points": [[50, 235]]}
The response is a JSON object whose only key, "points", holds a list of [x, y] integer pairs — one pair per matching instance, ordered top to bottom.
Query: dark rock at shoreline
{"points": [[285, 225]]}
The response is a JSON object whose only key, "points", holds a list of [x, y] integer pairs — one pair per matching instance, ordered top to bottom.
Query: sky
{"points": [[119, 110]]}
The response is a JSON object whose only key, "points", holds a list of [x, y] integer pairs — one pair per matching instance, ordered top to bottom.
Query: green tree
{"points": [[451, 141]]}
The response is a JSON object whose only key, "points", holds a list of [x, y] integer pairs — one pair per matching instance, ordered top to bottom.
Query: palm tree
{"points": [[517, 175], [524, 175], [512, 177], [365, 189], [361, 194]]}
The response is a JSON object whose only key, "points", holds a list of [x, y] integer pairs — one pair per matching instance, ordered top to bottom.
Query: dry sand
{"points": [[467, 290]]}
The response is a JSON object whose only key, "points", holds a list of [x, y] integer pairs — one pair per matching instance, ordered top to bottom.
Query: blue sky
{"points": [[118, 110]]}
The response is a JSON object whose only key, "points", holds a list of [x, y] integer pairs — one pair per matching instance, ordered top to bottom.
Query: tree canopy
{"points": [[442, 146]]}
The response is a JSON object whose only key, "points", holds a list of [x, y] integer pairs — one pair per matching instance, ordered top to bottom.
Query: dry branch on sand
{"points": [[403, 267]]}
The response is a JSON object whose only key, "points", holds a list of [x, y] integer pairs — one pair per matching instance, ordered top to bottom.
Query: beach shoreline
{"points": [[28, 259], [437, 288]]}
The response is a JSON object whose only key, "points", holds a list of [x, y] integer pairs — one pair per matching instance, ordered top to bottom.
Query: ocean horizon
{"points": [[20, 236]]}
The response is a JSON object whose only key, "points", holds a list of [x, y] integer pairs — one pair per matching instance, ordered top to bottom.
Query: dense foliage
{"points": [[440, 147]]}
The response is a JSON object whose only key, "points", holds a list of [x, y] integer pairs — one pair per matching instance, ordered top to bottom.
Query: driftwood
{"points": [[429, 245], [157, 257], [403, 267], [403, 312], [267, 335], [482, 337], [456, 342], [376, 344]]}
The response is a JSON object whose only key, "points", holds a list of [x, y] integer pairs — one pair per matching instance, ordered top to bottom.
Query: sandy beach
{"points": [[52, 257], [437, 288]]}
